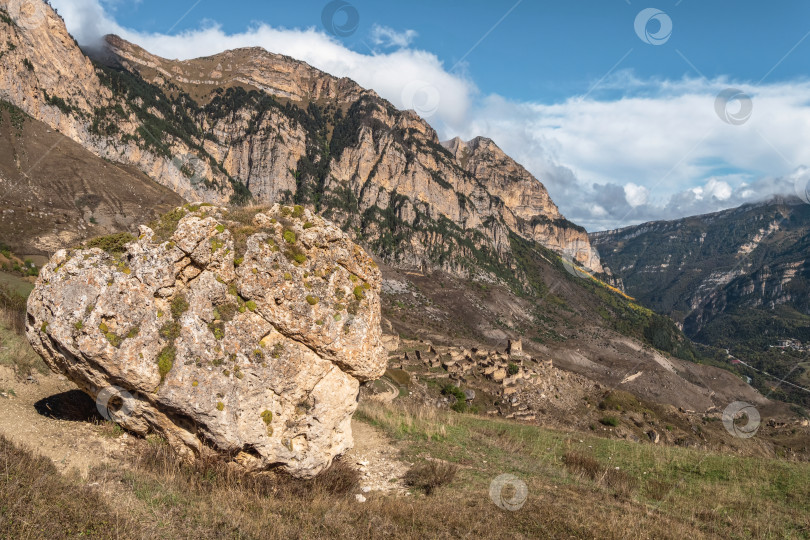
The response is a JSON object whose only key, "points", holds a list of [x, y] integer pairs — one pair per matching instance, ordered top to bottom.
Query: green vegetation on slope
{"points": [[671, 266]]}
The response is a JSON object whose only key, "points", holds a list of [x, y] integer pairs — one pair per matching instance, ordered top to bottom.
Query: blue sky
{"points": [[542, 50], [620, 130]]}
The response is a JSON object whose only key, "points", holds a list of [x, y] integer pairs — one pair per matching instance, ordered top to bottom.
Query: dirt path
{"points": [[390, 395], [50, 416], [377, 459]]}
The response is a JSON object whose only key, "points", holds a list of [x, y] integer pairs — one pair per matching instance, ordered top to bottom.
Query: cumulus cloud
{"points": [[388, 37], [659, 150], [635, 195]]}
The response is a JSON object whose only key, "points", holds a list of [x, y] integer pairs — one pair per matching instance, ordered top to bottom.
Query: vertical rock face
{"points": [[532, 213], [250, 332]]}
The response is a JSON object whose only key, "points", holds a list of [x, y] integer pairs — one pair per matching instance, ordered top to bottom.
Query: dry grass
{"points": [[12, 310], [15, 352], [408, 420], [582, 464], [212, 472], [430, 475], [612, 478], [574, 490], [656, 492], [663, 492], [36, 501]]}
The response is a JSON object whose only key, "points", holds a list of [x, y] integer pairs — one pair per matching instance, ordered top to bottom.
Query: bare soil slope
{"points": [[56, 193]]}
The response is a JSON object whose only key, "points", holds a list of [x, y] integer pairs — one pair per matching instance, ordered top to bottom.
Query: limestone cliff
{"points": [[248, 124]]}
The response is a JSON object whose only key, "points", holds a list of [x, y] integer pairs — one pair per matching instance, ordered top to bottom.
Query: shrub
{"points": [[298, 211], [166, 224], [308, 225], [289, 236], [113, 243], [216, 244], [295, 255], [358, 293], [312, 300], [251, 305], [227, 311], [218, 329], [170, 331], [114, 339], [512, 369], [461, 399], [617, 400], [220, 406], [609, 421], [582, 464], [430, 475]]}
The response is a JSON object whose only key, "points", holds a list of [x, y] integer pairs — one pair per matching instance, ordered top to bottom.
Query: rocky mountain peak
{"points": [[247, 124]]}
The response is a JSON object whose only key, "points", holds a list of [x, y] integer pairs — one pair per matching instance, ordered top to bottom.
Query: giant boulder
{"points": [[247, 332]]}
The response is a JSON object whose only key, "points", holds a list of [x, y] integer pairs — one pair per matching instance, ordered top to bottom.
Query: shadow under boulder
{"points": [[73, 405]]}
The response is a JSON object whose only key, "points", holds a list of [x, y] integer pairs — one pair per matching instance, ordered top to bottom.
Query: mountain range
{"points": [[251, 126], [472, 248], [736, 279]]}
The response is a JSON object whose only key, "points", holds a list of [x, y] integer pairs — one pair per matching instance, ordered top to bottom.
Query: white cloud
{"points": [[388, 37], [389, 74], [664, 136], [659, 151], [718, 189], [636, 195]]}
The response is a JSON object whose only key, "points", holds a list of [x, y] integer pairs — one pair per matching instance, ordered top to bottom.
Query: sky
{"points": [[626, 111]]}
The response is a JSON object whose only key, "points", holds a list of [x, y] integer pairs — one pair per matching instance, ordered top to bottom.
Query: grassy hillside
{"points": [[578, 486]]}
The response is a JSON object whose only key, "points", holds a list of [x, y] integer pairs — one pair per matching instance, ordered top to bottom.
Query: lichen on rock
{"points": [[236, 357]]}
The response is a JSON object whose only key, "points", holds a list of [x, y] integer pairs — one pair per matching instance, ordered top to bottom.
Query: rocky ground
{"points": [[509, 383], [49, 414]]}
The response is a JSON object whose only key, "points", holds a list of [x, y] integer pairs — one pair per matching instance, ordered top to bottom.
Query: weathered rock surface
{"points": [[250, 332]]}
